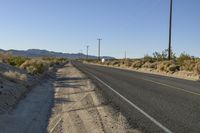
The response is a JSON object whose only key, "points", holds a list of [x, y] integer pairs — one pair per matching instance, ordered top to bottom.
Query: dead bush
{"points": [[115, 63], [127, 63], [137, 64], [150, 65], [164, 65], [188, 65], [36, 66], [197, 68], [15, 75]]}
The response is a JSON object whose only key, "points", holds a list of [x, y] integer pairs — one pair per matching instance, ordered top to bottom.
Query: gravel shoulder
{"points": [[77, 107], [31, 113]]}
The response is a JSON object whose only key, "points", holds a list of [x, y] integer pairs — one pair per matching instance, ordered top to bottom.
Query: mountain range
{"points": [[46, 53]]}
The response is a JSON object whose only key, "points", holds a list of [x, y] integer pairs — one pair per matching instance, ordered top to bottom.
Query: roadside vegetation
{"points": [[31, 65], [183, 65], [19, 74]]}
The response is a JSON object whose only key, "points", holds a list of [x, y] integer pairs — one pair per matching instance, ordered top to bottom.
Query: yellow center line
{"points": [[177, 88]]}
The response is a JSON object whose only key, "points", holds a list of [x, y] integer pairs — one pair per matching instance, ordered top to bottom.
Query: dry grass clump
{"points": [[4, 57], [54, 61], [106, 63], [115, 63], [127, 63], [137, 64], [150, 65], [188, 65], [36, 66], [163, 66], [168, 66], [197, 68], [15, 75]]}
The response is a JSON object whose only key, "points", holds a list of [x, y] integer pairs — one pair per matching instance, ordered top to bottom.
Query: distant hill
{"points": [[45, 53]]}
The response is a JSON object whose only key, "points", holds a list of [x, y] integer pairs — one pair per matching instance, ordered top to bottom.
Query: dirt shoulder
{"points": [[77, 108], [31, 113]]}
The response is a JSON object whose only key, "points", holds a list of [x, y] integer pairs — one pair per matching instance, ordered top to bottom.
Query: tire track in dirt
{"points": [[78, 109]]}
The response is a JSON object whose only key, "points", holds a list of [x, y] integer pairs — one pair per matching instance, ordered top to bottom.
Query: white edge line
{"points": [[135, 106]]}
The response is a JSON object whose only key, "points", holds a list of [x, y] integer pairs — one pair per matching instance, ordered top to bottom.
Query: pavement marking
{"points": [[177, 88], [133, 105]]}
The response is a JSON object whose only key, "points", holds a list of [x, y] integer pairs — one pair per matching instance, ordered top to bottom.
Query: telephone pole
{"points": [[170, 31], [99, 48], [87, 50], [125, 55]]}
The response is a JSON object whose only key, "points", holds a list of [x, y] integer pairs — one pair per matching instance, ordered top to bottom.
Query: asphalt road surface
{"points": [[153, 103]]}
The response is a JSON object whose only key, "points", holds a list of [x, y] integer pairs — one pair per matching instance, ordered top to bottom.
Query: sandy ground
{"points": [[67, 103], [78, 109], [31, 113]]}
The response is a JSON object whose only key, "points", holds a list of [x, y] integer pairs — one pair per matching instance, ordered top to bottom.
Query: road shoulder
{"points": [[78, 107]]}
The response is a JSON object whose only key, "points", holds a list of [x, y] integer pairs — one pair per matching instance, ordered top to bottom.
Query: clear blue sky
{"points": [[136, 26]]}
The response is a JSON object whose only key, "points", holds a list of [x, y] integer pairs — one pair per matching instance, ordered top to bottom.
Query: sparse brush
{"points": [[4, 57], [183, 57], [16, 60], [127, 62], [115, 63], [137, 64], [150, 65], [163, 65], [188, 65], [36, 66], [197, 68], [15, 75]]}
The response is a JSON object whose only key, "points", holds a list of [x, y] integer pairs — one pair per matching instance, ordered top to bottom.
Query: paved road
{"points": [[153, 103]]}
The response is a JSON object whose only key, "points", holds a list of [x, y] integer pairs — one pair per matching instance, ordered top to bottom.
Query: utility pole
{"points": [[170, 31], [99, 48], [87, 50], [81, 53], [125, 55]]}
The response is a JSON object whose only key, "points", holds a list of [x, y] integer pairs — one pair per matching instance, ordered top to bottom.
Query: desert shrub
{"points": [[163, 55], [183, 56], [4, 57], [148, 58], [16, 60], [127, 62], [106, 63], [114, 63], [137, 64], [146, 64], [150, 65], [164, 65], [188, 65], [36, 66], [197, 68], [15, 75]]}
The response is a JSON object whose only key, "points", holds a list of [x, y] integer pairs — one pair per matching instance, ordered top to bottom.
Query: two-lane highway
{"points": [[158, 103]]}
